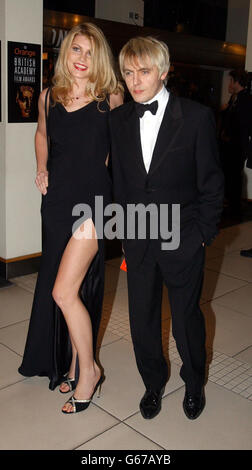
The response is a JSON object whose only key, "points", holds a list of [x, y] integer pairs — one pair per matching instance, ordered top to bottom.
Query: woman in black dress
{"points": [[73, 117]]}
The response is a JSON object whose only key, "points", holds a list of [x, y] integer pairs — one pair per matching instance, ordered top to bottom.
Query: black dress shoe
{"points": [[246, 253], [194, 404], [150, 405]]}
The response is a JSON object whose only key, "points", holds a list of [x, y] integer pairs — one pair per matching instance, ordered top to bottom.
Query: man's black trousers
{"points": [[184, 282]]}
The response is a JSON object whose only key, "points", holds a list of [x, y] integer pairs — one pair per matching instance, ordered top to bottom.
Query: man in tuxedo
{"points": [[235, 138], [164, 152]]}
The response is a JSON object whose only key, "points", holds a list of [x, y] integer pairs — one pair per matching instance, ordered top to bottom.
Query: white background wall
{"points": [[118, 10], [2, 138], [20, 232]]}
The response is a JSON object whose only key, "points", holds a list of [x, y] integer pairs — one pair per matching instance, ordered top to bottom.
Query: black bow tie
{"points": [[141, 108]]}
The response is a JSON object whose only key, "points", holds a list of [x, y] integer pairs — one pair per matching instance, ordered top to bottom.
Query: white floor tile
{"points": [[234, 238], [212, 252], [233, 265], [114, 279], [27, 282], [216, 284], [239, 300], [116, 301], [15, 305], [223, 332], [14, 336], [107, 337], [245, 356], [10, 362], [31, 418], [226, 423], [120, 437]]}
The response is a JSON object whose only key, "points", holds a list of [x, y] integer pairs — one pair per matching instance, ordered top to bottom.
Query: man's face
{"points": [[142, 79], [233, 86], [24, 100]]}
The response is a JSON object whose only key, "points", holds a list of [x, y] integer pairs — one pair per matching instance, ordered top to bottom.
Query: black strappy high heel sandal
{"points": [[81, 405]]}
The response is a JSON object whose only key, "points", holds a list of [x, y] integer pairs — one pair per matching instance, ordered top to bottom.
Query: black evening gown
{"points": [[79, 145]]}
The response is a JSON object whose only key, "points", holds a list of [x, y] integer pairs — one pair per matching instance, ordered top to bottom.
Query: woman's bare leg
{"points": [[74, 265], [64, 387]]}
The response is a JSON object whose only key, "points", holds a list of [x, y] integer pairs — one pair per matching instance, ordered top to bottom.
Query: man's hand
{"points": [[42, 181]]}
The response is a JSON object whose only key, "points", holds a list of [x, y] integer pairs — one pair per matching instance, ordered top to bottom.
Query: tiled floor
{"points": [[30, 412]]}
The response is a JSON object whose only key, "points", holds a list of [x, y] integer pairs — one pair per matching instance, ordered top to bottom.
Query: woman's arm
{"points": [[41, 148]]}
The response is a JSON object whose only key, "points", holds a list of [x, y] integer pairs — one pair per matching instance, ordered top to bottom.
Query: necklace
{"points": [[73, 98]]}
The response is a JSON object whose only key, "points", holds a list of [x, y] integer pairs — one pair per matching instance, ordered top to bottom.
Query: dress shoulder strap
{"points": [[46, 103], [47, 107]]}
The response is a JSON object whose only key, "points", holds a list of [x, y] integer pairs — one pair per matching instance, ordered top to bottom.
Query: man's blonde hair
{"points": [[143, 47], [102, 80]]}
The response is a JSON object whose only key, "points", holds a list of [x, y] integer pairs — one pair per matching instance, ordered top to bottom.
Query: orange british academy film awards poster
{"points": [[24, 71]]}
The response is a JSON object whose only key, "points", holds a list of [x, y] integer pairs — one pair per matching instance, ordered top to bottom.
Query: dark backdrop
{"points": [[79, 7], [206, 18]]}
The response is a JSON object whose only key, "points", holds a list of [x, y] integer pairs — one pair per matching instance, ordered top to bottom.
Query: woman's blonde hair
{"points": [[143, 47], [102, 80]]}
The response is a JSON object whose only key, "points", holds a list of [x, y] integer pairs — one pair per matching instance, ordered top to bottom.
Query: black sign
{"points": [[53, 37], [24, 79]]}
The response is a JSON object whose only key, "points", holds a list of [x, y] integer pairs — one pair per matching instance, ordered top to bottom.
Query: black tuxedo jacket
{"points": [[184, 170]]}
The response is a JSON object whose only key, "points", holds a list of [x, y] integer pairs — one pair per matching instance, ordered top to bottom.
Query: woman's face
{"points": [[79, 57]]}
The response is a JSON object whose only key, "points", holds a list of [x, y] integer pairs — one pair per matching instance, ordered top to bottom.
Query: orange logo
{"points": [[18, 51]]}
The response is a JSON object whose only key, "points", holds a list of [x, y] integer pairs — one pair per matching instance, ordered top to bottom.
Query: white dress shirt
{"points": [[150, 124]]}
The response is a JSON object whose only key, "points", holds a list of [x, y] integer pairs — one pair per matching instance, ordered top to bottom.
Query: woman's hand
{"points": [[42, 181]]}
